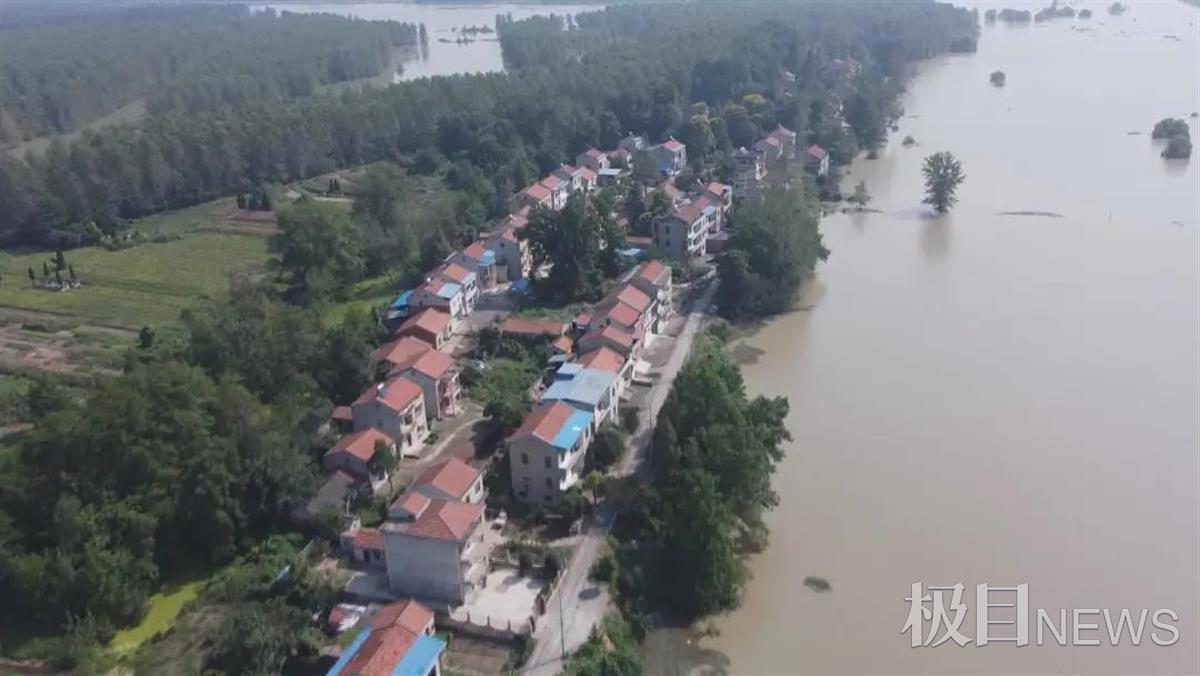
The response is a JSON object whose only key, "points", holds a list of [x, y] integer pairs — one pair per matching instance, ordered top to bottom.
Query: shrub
{"points": [[1178, 148], [629, 419], [605, 450], [524, 562], [552, 565], [604, 570]]}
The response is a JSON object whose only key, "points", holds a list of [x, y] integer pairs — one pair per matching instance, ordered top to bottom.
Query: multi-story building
{"points": [[546, 454]]}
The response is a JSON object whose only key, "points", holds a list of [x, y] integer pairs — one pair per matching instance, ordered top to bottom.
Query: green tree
{"points": [[1178, 147], [943, 174], [860, 197], [568, 240], [318, 248], [774, 249], [146, 338], [504, 392], [606, 449], [700, 551], [261, 636]]}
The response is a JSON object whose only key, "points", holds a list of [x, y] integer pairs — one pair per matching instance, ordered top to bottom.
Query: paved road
{"points": [[583, 603]]}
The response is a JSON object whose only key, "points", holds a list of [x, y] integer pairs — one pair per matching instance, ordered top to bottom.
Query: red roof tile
{"points": [[673, 145], [815, 151], [593, 153], [586, 174], [553, 182], [717, 188], [537, 191], [475, 251], [652, 271], [456, 272], [634, 298], [623, 315], [431, 320], [533, 327], [619, 336], [562, 344], [402, 352], [603, 359], [433, 364], [396, 394], [342, 414], [544, 421], [360, 444], [452, 477], [411, 501], [443, 520], [368, 539], [408, 615], [393, 631]]}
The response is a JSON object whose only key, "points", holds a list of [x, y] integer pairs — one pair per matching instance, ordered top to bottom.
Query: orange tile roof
{"points": [[673, 145], [587, 174], [553, 182], [537, 191], [476, 251], [651, 271], [456, 272], [634, 298], [623, 315], [430, 319], [533, 327], [619, 336], [562, 344], [402, 352], [603, 359], [433, 364], [397, 394], [544, 421], [360, 444], [452, 477], [411, 501], [443, 520], [368, 539], [408, 615], [393, 631]]}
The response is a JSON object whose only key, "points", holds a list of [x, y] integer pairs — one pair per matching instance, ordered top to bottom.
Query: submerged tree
{"points": [[998, 78], [943, 174], [861, 197]]}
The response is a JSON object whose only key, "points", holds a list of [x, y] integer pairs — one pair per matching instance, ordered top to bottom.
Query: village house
{"points": [[787, 142], [631, 144], [770, 148], [670, 157], [592, 159], [816, 160], [749, 173], [607, 177], [578, 179], [559, 189], [720, 194], [534, 195], [684, 233], [512, 253], [481, 260], [465, 278], [653, 278], [441, 294], [627, 308], [399, 310], [430, 325], [533, 329], [611, 337], [562, 345], [399, 354], [606, 359], [434, 373], [597, 392], [395, 407], [355, 454], [546, 454], [450, 479], [363, 545], [435, 549], [399, 640]]}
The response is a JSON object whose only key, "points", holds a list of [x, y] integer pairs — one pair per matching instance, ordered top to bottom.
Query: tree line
{"points": [[188, 58], [637, 68]]}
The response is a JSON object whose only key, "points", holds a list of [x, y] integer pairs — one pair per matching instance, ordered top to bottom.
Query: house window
{"points": [[524, 458], [547, 461], [549, 483]]}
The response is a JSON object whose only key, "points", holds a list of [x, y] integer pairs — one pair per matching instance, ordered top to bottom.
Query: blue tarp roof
{"points": [[632, 252], [489, 257], [520, 286], [449, 290], [402, 300], [587, 386], [571, 430], [348, 653], [420, 657]]}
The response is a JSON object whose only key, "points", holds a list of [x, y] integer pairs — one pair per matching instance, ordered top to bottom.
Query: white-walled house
{"points": [[396, 408], [546, 454]]}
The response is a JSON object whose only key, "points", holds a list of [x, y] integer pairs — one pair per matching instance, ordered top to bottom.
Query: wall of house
{"points": [[428, 389], [348, 462], [533, 482], [423, 568]]}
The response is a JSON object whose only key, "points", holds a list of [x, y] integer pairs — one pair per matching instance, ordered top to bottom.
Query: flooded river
{"points": [[481, 55], [989, 398]]}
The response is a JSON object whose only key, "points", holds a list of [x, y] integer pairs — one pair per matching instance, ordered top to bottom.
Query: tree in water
{"points": [[998, 78], [943, 174], [861, 197]]}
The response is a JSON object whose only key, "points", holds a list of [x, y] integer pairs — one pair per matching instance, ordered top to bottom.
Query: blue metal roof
{"points": [[489, 257], [449, 290], [402, 299], [568, 371], [587, 387], [573, 428], [348, 653], [420, 657]]}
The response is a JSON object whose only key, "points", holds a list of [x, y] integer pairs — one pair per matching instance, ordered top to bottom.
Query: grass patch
{"points": [[183, 221], [147, 284], [164, 608]]}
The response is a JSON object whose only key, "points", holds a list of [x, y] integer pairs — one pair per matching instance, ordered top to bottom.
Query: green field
{"points": [[150, 283], [164, 608]]}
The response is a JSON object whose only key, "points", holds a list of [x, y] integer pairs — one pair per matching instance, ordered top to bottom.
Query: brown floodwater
{"points": [[994, 397]]}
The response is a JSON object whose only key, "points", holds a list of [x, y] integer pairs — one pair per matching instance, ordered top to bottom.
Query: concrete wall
{"points": [[429, 389], [527, 459], [423, 568]]}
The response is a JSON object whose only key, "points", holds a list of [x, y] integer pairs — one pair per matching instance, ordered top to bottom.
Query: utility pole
{"points": [[562, 634]]}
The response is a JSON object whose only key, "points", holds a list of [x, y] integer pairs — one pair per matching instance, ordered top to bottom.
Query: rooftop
{"points": [[673, 145], [815, 151], [537, 191], [652, 271], [457, 274], [634, 298], [623, 314], [430, 319], [622, 338], [402, 352], [602, 359], [433, 364], [587, 386], [397, 394], [555, 423], [361, 444], [452, 477], [448, 520], [369, 539], [395, 643]]}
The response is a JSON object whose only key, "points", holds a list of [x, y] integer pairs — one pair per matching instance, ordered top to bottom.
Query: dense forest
{"points": [[637, 68], [58, 78]]}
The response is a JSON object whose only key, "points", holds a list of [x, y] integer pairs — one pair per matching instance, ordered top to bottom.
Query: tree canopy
{"points": [[943, 174]]}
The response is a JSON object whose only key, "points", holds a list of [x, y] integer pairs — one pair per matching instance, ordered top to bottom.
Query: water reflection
{"points": [[935, 238]]}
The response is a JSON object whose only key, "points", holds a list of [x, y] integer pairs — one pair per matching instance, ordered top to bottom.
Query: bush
{"points": [[1170, 127], [1178, 148], [719, 330], [629, 419], [605, 450], [524, 562], [552, 565], [604, 570]]}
